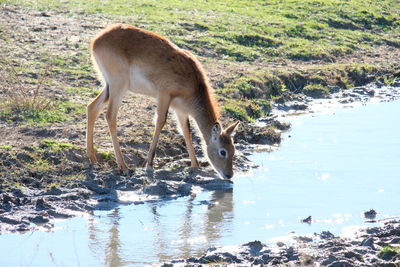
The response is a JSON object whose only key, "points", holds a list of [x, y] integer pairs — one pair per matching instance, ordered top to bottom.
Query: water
{"points": [[330, 166]]}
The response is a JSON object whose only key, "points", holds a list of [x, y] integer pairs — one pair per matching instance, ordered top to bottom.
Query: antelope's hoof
{"points": [[93, 159], [149, 169], [125, 172]]}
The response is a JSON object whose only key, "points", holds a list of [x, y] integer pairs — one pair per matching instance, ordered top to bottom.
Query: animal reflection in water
{"points": [[188, 234]]}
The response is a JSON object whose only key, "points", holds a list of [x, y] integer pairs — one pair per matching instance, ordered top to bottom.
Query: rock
{"points": [[44, 14], [396, 83], [379, 84], [371, 92], [298, 106], [282, 126], [258, 135], [24, 157], [217, 184], [95, 188], [159, 189], [184, 189], [53, 191], [17, 192], [6, 198], [41, 205], [370, 214], [58, 215], [38, 219], [9, 220], [307, 220], [326, 235], [304, 239], [395, 240], [368, 242], [280, 244], [254, 247], [352, 254], [387, 255], [265, 257], [329, 260], [258, 261], [341, 263]]}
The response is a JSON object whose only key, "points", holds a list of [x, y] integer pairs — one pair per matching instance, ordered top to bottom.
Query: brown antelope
{"points": [[136, 60]]}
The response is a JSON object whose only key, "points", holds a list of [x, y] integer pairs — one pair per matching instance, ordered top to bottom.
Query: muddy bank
{"points": [[336, 99], [55, 180], [35, 207], [374, 246]]}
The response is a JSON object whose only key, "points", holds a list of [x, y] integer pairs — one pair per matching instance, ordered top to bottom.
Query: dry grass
{"points": [[20, 95]]}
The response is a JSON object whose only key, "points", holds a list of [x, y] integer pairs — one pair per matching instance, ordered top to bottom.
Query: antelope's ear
{"points": [[232, 128], [216, 131]]}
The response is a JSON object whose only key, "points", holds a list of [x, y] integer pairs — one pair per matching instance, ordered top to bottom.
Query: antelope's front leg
{"points": [[162, 112], [185, 126]]}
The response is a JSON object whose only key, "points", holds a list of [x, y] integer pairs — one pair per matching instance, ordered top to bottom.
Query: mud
{"points": [[300, 104], [32, 198], [35, 207], [366, 248]]}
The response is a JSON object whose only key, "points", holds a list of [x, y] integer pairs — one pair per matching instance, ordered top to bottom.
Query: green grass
{"points": [[242, 30], [316, 90], [58, 111], [56, 146], [106, 155], [388, 252]]}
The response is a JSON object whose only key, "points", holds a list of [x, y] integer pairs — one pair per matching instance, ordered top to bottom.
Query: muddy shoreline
{"points": [[33, 206], [374, 246]]}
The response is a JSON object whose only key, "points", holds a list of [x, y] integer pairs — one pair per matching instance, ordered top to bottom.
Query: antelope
{"points": [[131, 59]]}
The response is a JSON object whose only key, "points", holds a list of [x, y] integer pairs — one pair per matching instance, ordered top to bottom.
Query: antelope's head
{"points": [[220, 149]]}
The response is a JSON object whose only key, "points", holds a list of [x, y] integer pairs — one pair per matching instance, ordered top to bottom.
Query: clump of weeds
{"points": [[23, 96]]}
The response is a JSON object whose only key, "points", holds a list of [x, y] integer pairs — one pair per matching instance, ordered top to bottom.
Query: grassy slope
{"points": [[257, 30], [258, 36]]}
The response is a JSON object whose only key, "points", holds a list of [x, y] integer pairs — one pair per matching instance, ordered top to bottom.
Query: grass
{"points": [[254, 30], [246, 33], [27, 98], [56, 146], [106, 155], [388, 252]]}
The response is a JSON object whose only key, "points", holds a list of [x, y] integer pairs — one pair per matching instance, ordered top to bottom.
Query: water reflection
{"points": [[334, 167], [219, 216], [203, 219], [113, 249]]}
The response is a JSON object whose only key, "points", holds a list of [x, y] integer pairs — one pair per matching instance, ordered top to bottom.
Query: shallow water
{"points": [[331, 166]]}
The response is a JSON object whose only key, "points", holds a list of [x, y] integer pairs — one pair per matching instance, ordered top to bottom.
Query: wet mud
{"points": [[39, 203], [374, 246]]}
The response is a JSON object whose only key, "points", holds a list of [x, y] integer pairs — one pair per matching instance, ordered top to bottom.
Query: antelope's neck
{"points": [[206, 117], [205, 125]]}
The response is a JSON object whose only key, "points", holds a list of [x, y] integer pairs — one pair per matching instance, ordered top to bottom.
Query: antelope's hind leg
{"points": [[117, 91], [93, 111]]}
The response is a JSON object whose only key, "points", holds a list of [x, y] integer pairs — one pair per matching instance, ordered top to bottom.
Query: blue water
{"points": [[331, 166]]}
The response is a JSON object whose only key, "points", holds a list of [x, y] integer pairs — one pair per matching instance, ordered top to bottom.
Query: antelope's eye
{"points": [[223, 153]]}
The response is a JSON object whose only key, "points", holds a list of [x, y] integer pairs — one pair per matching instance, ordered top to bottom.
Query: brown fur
{"points": [[132, 59]]}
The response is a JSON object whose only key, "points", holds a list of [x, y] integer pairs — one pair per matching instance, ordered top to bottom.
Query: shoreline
{"points": [[29, 209]]}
